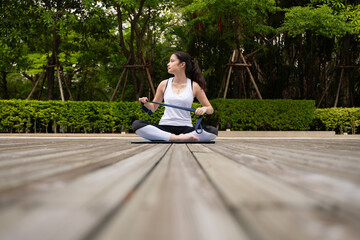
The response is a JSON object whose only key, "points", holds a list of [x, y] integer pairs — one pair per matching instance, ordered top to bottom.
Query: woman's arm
{"points": [[199, 93], [159, 97]]}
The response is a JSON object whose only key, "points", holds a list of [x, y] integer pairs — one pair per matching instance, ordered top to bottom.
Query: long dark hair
{"points": [[192, 69]]}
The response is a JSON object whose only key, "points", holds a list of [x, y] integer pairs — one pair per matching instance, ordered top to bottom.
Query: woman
{"points": [[175, 124]]}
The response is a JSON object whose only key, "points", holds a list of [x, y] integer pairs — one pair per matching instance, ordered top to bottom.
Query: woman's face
{"points": [[174, 65]]}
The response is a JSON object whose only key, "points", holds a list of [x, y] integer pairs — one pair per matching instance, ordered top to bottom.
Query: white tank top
{"points": [[174, 116]]}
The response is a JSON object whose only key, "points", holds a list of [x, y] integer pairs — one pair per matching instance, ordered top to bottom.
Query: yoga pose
{"points": [[176, 125]]}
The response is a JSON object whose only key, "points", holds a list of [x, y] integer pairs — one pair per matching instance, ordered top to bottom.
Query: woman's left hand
{"points": [[201, 111]]}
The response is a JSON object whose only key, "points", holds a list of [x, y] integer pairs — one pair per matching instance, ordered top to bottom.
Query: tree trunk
{"points": [[136, 36], [346, 59], [52, 61], [50, 76], [135, 84], [5, 93]]}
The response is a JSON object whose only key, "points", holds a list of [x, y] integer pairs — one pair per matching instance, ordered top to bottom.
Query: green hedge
{"points": [[249, 114], [25, 116], [101, 117], [337, 118]]}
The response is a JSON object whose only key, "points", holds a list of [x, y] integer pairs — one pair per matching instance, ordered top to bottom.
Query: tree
{"points": [[58, 17], [329, 20], [336, 22], [13, 25], [38, 26], [220, 26], [137, 33], [298, 49]]}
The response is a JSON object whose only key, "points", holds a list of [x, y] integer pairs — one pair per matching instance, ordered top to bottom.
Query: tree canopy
{"points": [[294, 49]]}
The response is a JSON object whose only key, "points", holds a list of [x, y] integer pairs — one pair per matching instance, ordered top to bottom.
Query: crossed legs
{"points": [[172, 133]]}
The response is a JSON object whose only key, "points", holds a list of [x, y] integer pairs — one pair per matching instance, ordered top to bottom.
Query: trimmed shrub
{"points": [[242, 114], [248, 114], [70, 116], [337, 118]]}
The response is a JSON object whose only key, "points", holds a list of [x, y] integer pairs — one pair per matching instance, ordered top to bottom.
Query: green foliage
{"points": [[240, 19], [329, 19], [355, 19], [214, 28], [85, 36], [14, 58], [36, 61], [263, 114], [243, 115], [71, 116], [84, 117], [337, 118]]}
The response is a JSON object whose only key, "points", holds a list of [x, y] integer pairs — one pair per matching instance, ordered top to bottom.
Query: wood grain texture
{"points": [[79, 189], [176, 202], [271, 208], [73, 210]]}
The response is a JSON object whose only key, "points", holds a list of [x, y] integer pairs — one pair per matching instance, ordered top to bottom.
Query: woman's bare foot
{"points": [[183, 137]]}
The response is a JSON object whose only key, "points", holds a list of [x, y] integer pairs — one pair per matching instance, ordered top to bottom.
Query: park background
{"points": [[298, 50]]}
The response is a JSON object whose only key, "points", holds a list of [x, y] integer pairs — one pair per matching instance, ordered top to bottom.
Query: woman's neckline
{"points": [[182, 90]]}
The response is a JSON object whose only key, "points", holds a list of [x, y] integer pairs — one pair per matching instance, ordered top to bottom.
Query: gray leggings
{"points": [[156, 132]]}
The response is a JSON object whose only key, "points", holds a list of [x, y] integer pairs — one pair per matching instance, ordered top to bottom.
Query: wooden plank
{"points": [[239, 64], [10, 147], [20, 148], [199, 148], [50, 153], [328, 160], [39, 169], [263, 190], [334, 192], [176, 202], [272, 209], [71, 211]]}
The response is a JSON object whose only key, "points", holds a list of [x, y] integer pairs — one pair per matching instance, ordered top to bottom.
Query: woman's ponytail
{"points": [[192, 69], [196, 74]]}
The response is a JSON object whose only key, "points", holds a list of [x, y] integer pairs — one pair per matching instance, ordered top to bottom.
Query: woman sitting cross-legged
{"points": [[176, 125]]}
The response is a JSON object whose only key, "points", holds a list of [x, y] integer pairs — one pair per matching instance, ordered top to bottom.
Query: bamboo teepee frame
{"points": [[234, 62], [126, 68], [59, 72]]}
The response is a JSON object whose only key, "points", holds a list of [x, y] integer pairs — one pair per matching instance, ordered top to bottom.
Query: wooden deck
{"points": [[250, 188]]}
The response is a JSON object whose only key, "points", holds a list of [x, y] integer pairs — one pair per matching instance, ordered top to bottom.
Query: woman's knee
{"points": [[139, 124], [211, 129]]}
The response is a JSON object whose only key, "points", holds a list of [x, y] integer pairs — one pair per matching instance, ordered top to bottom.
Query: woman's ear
{"points": [[183, 64]]}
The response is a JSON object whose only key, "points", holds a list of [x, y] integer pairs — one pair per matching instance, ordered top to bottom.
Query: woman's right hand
{"points": [[143, 100], [150, 106]]}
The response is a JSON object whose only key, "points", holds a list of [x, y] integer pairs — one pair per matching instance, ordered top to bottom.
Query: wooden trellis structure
{"points": [[236, 60], [126, 67], [58, 73], [339, 85]]}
